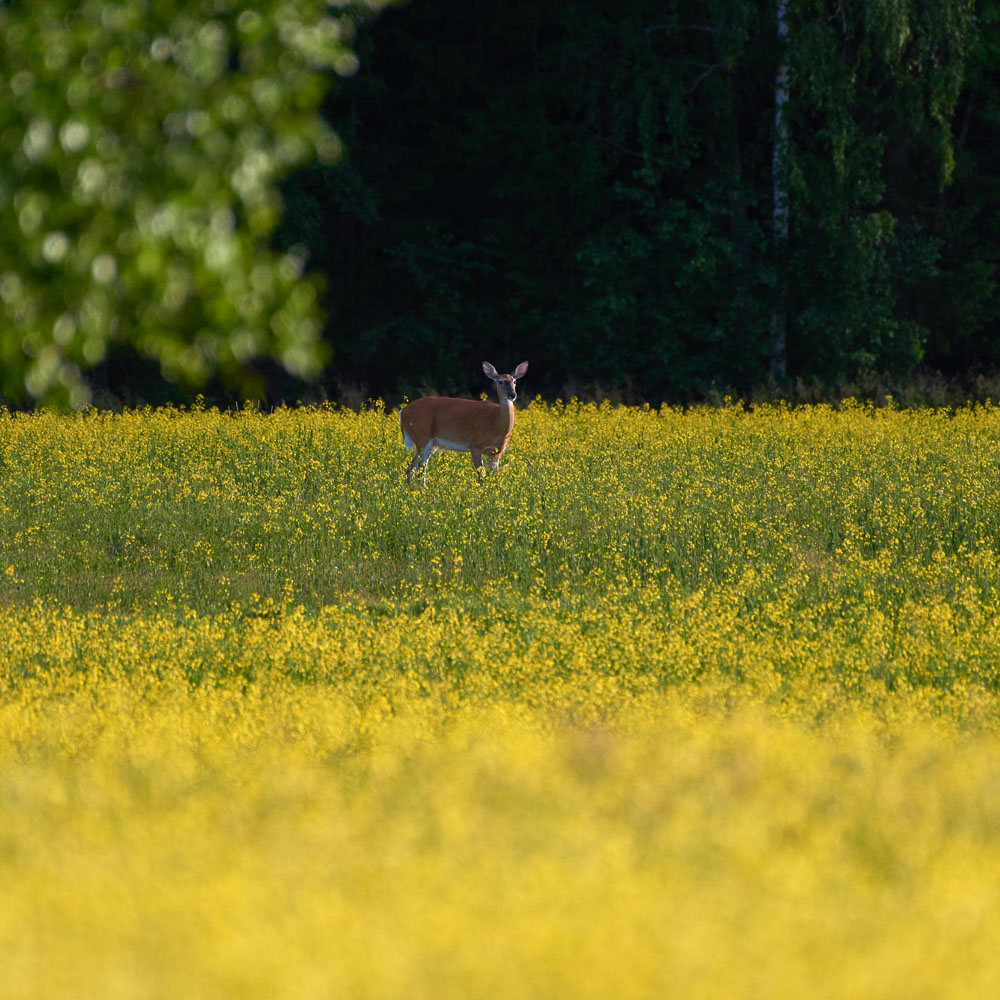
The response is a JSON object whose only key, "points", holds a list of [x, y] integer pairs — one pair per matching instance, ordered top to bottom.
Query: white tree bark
{"points": [[779, 169]]}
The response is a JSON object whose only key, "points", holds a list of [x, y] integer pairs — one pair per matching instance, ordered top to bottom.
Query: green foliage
{"points": [[874, 90], [140, 146], [588, 186]]}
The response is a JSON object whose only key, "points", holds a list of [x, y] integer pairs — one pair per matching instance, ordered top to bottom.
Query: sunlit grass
{"points": [[679, 703]]}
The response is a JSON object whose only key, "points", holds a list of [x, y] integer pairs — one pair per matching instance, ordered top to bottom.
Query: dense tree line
{"points": [[596, 186], [671, 199]]}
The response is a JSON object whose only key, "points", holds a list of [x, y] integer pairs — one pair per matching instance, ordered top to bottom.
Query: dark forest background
{"points": [[592, 187]]}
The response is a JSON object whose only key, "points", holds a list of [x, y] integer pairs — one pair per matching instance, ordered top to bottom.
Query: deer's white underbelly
{"points": [[449, 445]]}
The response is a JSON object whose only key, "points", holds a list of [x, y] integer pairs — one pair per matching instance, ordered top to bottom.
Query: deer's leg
{"points": [[429, 450], [419, 460], [477, 462], [412, 467]]}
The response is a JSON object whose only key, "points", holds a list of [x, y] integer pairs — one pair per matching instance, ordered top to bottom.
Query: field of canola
{"points": [[697, 704]]}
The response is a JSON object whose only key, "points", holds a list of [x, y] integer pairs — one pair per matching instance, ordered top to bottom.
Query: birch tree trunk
{"points": [[779, 168]]}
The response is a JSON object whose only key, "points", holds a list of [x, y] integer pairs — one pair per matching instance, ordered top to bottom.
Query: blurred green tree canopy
{"points": [[141, 143]]}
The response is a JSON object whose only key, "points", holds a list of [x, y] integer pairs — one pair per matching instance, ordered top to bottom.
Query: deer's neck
{"points": [[505, 416]]}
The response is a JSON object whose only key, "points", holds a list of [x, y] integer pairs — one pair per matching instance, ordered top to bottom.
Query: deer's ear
{"points": [[520, 369], [488, 370]]}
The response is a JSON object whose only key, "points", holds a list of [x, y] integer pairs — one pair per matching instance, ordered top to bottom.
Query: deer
{"points": [[476, 426]]}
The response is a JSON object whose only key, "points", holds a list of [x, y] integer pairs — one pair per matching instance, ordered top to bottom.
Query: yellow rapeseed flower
{"points": [[680, 702]]}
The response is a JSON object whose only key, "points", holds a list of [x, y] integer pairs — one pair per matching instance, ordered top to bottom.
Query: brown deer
{"points": [[480, 428]]}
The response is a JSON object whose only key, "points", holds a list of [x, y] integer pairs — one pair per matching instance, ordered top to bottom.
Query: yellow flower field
{"points": [[695, 704]]}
